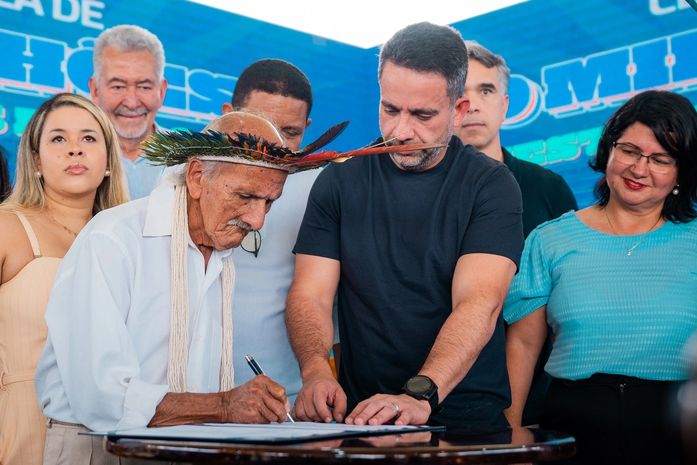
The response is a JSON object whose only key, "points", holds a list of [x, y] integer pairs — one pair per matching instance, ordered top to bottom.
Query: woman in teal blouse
{"points": [[617, 284]]}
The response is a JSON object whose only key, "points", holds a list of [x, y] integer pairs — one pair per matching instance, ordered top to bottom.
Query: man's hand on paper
{"points": [[320, 399], [385, 408]]}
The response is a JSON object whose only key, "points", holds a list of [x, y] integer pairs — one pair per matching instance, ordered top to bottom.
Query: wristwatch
{"points": [[422, 388]]}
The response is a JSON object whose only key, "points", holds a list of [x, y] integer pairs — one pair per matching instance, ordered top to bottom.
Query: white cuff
{"points": [[140, 403]]}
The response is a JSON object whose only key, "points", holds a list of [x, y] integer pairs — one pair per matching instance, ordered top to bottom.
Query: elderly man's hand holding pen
{"points": [[256, 368], [260, 400]]}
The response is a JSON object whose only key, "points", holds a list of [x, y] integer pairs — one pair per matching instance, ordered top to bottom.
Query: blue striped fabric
{"points": [[610, 312]]}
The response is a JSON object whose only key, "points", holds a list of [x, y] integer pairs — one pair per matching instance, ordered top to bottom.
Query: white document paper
{"points": [[268, 433]]}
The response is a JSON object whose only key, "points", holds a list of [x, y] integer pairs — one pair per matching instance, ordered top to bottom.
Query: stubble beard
{"points": [[421, 160]]}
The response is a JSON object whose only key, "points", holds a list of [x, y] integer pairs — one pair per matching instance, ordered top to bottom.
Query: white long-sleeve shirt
{"points": [[105, 361]]}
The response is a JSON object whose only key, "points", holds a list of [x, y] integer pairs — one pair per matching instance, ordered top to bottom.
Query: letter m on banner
{"points": [[589, 83]]}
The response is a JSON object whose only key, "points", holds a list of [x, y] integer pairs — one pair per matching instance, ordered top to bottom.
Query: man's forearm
{"points": [[480, 285], [310, 331], [462, 337], [187, 408]]}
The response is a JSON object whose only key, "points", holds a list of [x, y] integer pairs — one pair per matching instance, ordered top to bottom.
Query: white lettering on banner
{"points": [[19, 5], [664, 7], [73, 10], [91, 11], [86, 12], [40, 66], [605, 79]]}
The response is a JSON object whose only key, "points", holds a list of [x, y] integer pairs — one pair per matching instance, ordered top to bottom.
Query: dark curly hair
{"points": [[673, 120]]}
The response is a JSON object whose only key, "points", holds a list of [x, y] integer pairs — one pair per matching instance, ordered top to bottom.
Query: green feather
{"points": [[176, 147]]}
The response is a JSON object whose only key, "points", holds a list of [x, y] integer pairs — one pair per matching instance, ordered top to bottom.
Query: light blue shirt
{"points": [[141, 175], [261, 289], [611, 312]]}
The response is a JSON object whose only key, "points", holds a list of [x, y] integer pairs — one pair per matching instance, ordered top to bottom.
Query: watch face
{"points": [[419, 384]]}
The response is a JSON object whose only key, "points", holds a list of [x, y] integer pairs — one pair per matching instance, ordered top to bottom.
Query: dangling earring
{"points": [[107, 173], [38, 174], [676, 190]]}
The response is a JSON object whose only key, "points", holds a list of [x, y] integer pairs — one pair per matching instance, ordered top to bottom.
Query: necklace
{"points": [[73, 233], [630, 250]]}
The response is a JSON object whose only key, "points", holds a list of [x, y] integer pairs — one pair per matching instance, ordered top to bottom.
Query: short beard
{"points": [[131, 133], [136, 133], [419, 160]]}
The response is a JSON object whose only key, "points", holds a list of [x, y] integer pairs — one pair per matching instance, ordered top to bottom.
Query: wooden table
{"points": [[428, 448]]}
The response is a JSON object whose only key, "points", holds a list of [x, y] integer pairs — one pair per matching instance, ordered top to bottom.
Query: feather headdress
{"points": [[176, 147]]}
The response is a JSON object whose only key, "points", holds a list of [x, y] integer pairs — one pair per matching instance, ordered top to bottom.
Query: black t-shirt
{"points": [[545, 194], [398, 236]]}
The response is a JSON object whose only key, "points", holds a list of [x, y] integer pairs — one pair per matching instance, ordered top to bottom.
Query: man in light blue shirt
{"points": [[128, 84], [280, 92], [142, 177]]}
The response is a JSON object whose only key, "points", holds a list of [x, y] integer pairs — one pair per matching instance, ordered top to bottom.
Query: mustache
{"points": [[123, 111], [393, 142], [240, 224]]}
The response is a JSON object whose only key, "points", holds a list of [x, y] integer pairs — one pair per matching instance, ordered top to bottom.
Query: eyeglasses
{"points": [[628, 154], [252, 242]]}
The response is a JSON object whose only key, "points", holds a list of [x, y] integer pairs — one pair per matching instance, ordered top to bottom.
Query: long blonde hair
{"points": [[28, 191]]}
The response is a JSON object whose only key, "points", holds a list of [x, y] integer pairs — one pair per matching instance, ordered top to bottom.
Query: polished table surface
{"points": [[450, 447]]}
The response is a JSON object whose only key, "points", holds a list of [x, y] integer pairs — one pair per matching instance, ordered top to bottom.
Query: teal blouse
{"points": [[611, 311]]}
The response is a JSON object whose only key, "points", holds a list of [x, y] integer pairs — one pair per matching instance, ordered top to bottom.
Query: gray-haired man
{"points": [[128, 84]]}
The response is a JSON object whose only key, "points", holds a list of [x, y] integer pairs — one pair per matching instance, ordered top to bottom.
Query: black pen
{"points": [[258, 371]]}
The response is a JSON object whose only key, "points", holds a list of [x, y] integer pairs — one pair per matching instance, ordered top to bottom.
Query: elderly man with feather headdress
{"points": [[140, 317], [136, 336]]}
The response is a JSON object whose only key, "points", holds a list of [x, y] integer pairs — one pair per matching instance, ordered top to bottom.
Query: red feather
{"points": [[329, 155]]}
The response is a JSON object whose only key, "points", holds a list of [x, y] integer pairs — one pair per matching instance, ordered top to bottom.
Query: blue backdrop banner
{"points": [[573, 63]]}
